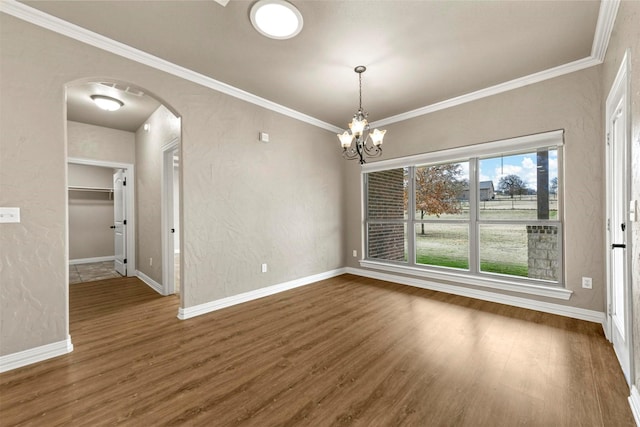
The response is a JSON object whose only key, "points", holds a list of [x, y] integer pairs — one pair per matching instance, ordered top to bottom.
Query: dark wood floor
{"points": [[343, 351]]}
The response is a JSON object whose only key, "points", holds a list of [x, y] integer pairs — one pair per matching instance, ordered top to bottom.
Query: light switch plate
{"points": [[9, 215]]}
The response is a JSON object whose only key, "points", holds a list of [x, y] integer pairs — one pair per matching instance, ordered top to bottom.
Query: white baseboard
{"points": [[90, 260], [150, 282], [546, 307], [197, 310], [605, 327], [34, 355], [634, 401]]}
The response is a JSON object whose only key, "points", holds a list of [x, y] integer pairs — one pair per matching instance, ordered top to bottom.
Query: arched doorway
{"points": [[128, 143]]}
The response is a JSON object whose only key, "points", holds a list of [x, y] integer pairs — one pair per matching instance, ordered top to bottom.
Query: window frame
{"points": [[553, 140]]}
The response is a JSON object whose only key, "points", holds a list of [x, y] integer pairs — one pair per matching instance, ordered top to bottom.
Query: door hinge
{"points": [[608, 138], [124, 181], [125, 222], [608, 224], [125, 260], [609, 309]]}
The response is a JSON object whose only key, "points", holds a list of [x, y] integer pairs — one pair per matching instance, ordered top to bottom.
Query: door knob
{"points": [[173, 230], [618, 246]]}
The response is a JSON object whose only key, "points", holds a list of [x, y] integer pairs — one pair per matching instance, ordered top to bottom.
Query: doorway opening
{"points": [[128, 143], [171, 216], [101, 220]]}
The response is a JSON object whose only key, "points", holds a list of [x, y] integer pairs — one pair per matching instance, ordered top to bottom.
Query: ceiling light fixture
{"points": [[276, 19], [107, 103], [360, 133]]}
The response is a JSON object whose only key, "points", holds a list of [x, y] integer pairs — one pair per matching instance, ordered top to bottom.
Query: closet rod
{"points": [[100, 189]]}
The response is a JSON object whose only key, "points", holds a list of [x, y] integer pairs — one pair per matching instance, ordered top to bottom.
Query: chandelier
{"points": [[361, 143]]}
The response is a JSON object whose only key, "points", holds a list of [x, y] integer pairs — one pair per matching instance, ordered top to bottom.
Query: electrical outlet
{"points": [[355, 253], [150, 261], [264, 268], [587, 283]]}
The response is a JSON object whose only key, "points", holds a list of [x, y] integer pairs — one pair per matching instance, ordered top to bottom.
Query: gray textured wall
{"points": [[165, 127], [99, 143], [244, 202]]}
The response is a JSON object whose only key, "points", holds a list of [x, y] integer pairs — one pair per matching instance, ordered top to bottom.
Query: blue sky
{"points": [[523, 165]]}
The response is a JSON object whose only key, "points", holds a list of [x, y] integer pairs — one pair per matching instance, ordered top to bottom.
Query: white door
{"points": [[171, 218], [119, 221], [619, 289]]}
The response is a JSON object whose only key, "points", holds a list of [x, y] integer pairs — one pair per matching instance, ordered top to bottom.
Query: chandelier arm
{"points": [[360, 149], [373, 151], [350, 154]]}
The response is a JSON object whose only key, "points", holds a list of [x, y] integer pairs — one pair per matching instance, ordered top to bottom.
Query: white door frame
{"points": [[620, 90], [130, 209], [168, 252]]}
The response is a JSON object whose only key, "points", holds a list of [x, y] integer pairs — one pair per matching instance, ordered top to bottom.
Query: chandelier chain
{"points": [[360, 79]]}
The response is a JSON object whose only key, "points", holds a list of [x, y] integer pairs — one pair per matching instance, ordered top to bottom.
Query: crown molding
{"points": [[606, 18], [60, 26], [604, 28], [490, 91]]}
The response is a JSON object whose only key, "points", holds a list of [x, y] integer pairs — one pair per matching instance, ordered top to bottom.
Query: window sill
{"points": [[465, 279]]}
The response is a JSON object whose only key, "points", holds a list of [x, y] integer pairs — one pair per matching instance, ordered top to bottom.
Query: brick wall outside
{"points": [[385, 200]]}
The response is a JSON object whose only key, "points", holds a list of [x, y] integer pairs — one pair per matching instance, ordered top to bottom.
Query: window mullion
{"points": [[411, 213], [474, 232]]}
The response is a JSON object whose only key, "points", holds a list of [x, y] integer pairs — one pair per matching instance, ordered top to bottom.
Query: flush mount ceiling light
{"points": [[276, 19], [107, 103], [361, 143]]}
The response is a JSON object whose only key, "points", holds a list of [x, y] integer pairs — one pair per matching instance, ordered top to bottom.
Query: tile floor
{"points": [[79, 273]]}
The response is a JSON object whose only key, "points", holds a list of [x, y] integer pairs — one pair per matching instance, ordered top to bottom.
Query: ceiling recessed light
{"points": [[276, 19], [107, 103]]}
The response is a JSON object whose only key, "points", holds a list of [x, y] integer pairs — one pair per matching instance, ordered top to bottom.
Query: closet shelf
{"points": [[92, 190]]}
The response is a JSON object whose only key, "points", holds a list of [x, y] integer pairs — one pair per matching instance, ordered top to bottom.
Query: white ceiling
{"points": [[418, 53], [136, 109]]}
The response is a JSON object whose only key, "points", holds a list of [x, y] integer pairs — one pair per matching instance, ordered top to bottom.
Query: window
{"points": [[488, 211]]}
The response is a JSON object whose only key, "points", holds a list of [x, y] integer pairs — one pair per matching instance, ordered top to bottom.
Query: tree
{"points": [[512, 185], [553, 188], [438, 190]]}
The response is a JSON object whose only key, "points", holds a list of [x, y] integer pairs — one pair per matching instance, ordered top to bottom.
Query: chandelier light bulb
{"points": [[357, 126], [377, 136], [345, 139]]}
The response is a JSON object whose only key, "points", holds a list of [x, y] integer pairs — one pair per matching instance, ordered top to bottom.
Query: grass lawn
{"points": [[503, 248], [443, 261]]}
